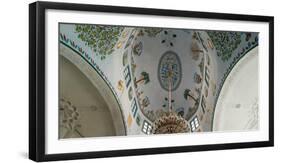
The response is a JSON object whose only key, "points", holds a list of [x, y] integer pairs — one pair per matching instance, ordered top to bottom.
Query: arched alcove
{"points": [[84, 89], [237, 106]]}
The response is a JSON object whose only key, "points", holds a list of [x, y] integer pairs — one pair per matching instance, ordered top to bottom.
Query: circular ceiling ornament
{"points": [[169, 68]]}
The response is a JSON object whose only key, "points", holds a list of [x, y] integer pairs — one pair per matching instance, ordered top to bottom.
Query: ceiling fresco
{"points": [[169, 66], [165, 80]]}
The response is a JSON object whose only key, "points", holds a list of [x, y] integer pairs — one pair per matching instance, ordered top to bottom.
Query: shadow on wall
{"points": [[84, 112]]}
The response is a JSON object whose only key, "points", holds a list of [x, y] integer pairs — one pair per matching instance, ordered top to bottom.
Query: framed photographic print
{"points": [[118, 81]]}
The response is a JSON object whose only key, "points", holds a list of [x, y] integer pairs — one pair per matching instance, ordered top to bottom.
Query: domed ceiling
{"points": [[169, 58], [159, 74]]}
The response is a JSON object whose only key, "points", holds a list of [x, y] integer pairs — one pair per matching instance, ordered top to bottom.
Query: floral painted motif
{"points": [[152, 32], [101, 39], [225, 42], [137, 48], [169, 68], [197, 78], [120, 85], [145, 102], [69, 117]]}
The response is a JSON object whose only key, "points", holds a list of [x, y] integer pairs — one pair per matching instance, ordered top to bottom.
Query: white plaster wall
{"points": [[237, 107], [95, 118]]}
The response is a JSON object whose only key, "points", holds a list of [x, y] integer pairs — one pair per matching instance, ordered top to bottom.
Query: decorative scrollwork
{"points": [[69, 115]]}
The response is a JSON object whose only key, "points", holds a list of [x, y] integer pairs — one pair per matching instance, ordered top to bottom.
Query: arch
{"points": [[98, 82], [237, 109]]}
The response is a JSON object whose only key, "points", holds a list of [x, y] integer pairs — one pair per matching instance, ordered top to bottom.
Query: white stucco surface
{"points": [[237, 107]]}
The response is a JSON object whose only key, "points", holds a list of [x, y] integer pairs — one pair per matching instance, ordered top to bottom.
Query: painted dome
{"points": [[164, 56], [156, 74]]}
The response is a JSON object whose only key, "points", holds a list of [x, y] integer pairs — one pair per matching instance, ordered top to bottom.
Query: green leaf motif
{"points": [[152, 32], [101, 39], [225, 42]]}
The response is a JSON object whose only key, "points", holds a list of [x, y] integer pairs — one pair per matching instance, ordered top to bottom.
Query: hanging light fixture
{"points": [[170, 122]]}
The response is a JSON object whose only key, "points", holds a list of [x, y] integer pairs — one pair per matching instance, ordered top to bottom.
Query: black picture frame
{"points": [[37, 80]]}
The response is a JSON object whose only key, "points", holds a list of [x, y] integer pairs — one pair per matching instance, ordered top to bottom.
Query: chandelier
{"points": [[170, 122]]}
